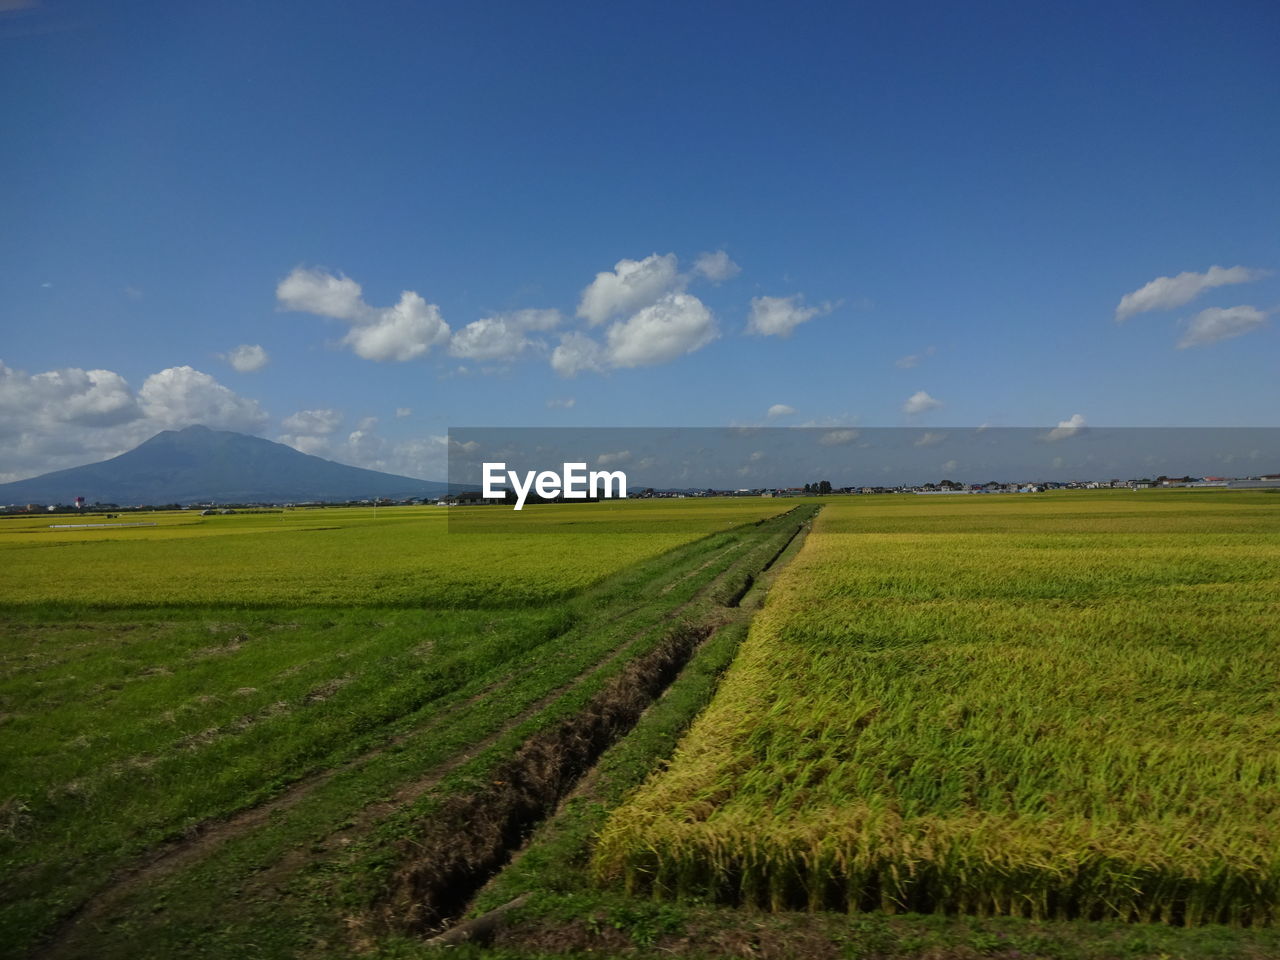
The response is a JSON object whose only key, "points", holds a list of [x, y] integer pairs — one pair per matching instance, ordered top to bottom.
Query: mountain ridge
{"points": [[198, 465]]}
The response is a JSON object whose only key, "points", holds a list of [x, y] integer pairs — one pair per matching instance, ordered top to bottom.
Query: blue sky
{"points": [[848, 214]]}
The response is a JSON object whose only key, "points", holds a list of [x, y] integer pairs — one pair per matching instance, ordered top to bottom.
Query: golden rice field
{"points": [[1056, 706]]}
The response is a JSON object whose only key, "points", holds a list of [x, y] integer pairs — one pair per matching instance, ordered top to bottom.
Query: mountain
{"points": [[198, 465]]}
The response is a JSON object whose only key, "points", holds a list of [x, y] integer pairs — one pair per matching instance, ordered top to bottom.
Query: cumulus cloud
{"points": [[716, 267], [631, 284], [318, 291], [1165, 293], [778, 316], [650, 317], [1219, 323], [677, 324], [407, 330], [402, 332], [504, 336], [577, 352], [247, 358], [68, 396], [182, 396], [920, 402], [561, 403], [780, 410], [404, 412], [67, 417], [313, 421], [1067, 428], [930, 439], [422, 457], [610, 459], [950, 467]]}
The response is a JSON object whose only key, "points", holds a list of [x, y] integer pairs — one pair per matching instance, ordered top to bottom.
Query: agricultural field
{"points": [[342, 557], [215, 693], [1052, 707], [879, 727]]}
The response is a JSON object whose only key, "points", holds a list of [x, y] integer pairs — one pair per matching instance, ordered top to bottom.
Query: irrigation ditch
{"points": [[472, 838], [409, 861]]}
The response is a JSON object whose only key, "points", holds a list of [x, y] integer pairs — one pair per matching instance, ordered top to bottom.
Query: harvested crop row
{"points": [[1070, 724]]}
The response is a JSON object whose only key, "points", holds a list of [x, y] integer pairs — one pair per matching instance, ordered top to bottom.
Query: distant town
{"points": [[820, 488]]}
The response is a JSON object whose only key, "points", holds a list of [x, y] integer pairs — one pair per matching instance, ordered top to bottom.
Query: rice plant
{"points": [[1073, 722]]}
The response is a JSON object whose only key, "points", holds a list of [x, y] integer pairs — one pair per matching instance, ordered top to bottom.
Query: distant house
{"points": [[471, 498]]}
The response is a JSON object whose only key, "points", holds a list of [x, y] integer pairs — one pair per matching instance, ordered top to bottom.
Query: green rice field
{"points": [[342, 557], [161, 681]]}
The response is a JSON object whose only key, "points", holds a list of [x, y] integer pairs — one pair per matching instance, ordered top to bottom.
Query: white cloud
{"points": [[716, 267], [631, 285], [318, 291], [1164, 293], [778, 316], [1218, 323], [677, 324], [407, 330], [504, 336], [577, 352], [247, 358], [69, 396], [182, 396], [920, 402], [561, 403], [780, 410], [402, 412], [63, 418], [319, 422], [1067, 428], [838, 438], [930, 439], [364, 444], [316, 446], [422, 457], [610, 459], [949, 467]]}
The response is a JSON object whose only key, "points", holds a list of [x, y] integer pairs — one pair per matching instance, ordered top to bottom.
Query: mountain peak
{"points": [[197, 464]]}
